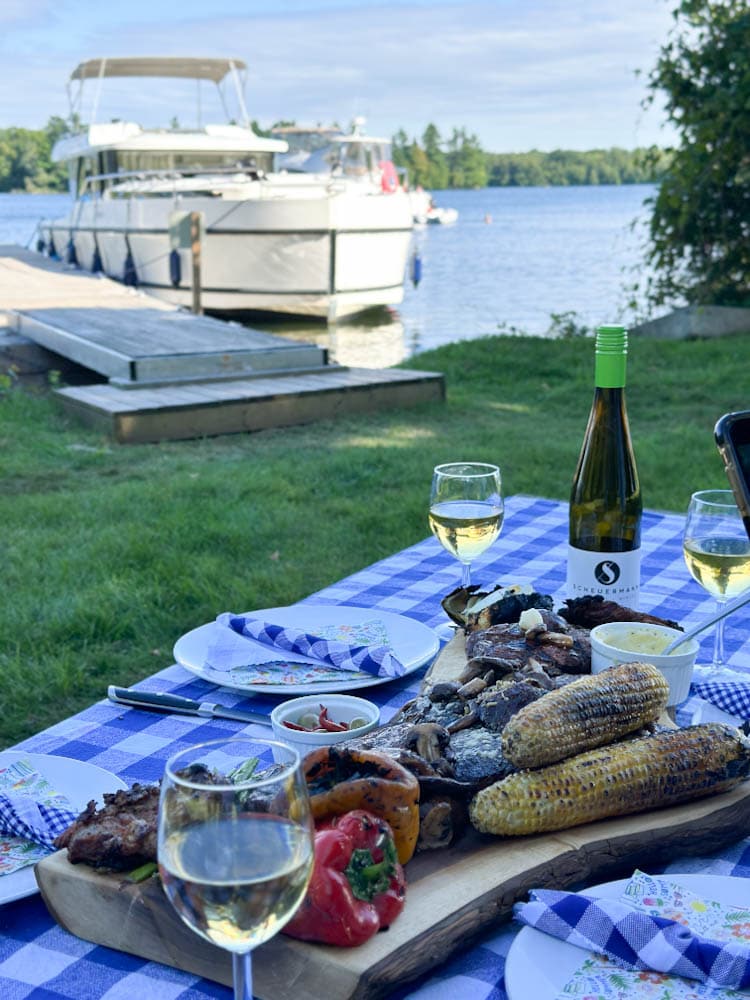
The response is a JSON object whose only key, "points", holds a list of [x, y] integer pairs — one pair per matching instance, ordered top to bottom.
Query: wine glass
{"points": [[466, 510], [717, 552], [235, 843]]}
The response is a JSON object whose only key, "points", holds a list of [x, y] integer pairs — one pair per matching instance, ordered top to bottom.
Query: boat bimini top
{"points": [[186, 67], [191, 68]]}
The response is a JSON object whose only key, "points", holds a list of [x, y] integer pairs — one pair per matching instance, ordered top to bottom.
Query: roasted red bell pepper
{"points": [[357, 886]]}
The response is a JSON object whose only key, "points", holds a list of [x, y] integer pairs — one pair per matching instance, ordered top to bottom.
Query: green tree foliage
{"points": [[25, 160], [466, 160], [460, 162], [419, 165], [564, 167], [439, 171], [700, 223]]}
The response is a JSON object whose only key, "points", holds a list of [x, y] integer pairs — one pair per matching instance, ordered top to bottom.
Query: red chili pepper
{"points": [[328, 724], [293, 725], [357, 886]]}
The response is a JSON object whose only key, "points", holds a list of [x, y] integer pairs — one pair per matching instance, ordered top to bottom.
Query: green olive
{"points": [[309, 720], [356, 723]]}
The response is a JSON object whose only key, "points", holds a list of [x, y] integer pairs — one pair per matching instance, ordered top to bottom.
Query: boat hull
{"points": [[324, 257]]}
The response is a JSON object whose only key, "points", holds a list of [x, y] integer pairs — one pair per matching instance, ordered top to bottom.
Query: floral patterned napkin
{"points": [[247, 664], [20, 777], [598, 979]]}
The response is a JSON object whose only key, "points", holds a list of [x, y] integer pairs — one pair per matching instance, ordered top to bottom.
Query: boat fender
{"points": [[388, 176], [41, 246], [51, 249], [70, 253], [96, 263], [175, 268], [416, 268], [129, 277]]}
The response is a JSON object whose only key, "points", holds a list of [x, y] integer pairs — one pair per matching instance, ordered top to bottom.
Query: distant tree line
{"points": [[432, 162], [460, 162], [565, 166]]}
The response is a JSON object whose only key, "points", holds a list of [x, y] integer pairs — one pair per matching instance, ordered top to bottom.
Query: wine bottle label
{"points": [[614, 575]]}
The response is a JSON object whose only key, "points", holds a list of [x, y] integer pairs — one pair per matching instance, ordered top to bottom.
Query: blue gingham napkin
{"points": [[376, 660], [730, 695], [22, 816], [633, 939]]}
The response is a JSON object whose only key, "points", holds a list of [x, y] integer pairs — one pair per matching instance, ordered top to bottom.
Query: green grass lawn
{"points": [[111, 552]]}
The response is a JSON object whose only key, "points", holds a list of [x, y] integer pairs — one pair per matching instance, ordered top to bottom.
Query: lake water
{"points": [[514, 257]]}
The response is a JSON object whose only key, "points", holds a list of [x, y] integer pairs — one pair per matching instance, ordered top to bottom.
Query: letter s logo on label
{"points": [[607, 572]]}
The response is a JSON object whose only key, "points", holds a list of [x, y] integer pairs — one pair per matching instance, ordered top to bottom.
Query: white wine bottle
{"points": [[604, 551]]}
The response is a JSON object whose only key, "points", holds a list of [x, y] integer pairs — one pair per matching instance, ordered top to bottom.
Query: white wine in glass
{"points": [[466, 510], [717, 552], [235, 844]]}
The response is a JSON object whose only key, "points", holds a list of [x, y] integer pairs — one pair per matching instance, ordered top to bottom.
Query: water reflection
{"points": [[370, 340]]}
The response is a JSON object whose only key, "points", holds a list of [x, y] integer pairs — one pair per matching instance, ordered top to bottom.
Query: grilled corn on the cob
{"points": [[587, 713], [646, 773]]}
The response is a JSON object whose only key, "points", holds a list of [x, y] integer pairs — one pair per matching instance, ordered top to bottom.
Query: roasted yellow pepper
{"points": [[340, 780]]}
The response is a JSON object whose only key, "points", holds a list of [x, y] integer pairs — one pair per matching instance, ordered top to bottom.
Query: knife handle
{"points": [[152, 699]]}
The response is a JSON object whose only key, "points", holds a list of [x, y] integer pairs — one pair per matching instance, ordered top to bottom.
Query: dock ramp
{"points": [[171, 374]]}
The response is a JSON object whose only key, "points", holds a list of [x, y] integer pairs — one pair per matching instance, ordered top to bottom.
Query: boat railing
{"points": [[177, 174]]}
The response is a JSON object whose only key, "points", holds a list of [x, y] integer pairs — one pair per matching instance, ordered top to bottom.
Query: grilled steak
{"points": [[508, 648], [122, 834], [119, 836]]}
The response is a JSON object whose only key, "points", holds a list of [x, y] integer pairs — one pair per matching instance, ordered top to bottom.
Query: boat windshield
{"points": [[301, 140], [359, 156], [352, 157], [92, 174]]}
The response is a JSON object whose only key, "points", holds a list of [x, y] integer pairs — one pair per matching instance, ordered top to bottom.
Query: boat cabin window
{"points": [[113, 161], [198, 162]]}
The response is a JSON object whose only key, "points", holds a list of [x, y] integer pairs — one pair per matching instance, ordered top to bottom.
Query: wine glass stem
{"points": [[466, 574], [718, 658], [242, 975]]}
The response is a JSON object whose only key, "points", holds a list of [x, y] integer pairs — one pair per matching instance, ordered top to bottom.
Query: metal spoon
{"points": [[724, 610]]}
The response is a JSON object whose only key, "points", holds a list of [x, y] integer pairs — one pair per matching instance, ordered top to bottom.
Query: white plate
{"points": [[413, 643], [78, 781], [539, 965]]}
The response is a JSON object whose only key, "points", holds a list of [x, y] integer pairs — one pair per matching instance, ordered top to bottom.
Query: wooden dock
{"points": [[173, 375]]}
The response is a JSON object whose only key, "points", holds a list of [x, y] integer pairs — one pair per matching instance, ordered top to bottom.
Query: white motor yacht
{"points": [[321, 242]]}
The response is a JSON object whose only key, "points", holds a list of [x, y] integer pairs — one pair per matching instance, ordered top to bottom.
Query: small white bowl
{"points": [[631, 642], [341, 708]]}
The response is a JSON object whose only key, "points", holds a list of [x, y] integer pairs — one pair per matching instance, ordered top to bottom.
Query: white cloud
{"points": [[22, 11], [519, 73]]}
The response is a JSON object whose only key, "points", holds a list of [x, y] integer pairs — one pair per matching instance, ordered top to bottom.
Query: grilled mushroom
{"points": [[429, 740], [432, 742]]}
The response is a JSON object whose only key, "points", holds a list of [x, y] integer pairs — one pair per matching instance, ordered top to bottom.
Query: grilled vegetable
{"points": [[472, 607], [593, 610], [586, 713], [646, 773], [340, 779], [357, 886]]}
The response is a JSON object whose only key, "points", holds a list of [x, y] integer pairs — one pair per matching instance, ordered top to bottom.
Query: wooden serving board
{"points": [[453, 895]]}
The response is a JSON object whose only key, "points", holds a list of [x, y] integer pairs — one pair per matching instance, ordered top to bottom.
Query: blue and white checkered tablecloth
{"points": [[40, 961]]}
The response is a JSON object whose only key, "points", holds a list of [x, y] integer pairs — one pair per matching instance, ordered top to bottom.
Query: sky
{"points": [[519, 74]]}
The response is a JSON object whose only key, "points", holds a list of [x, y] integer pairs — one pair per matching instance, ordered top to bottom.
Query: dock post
{"points": [[195, 248]]}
